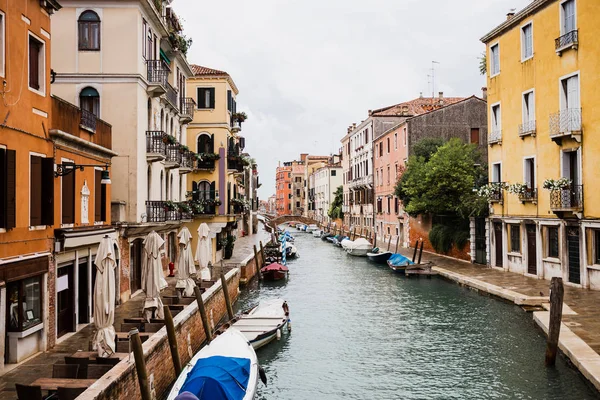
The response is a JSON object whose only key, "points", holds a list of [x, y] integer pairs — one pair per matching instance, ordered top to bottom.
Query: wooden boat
{"points": [[325, 236], [379, 257], [398, 262], [274, 272], [265, 322], [227, 368]]}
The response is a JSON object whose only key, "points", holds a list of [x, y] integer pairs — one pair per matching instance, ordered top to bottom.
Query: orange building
{"points": [[283, 196]]}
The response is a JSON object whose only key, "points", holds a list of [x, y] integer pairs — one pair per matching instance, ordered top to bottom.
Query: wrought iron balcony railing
{"points": [[566, 40], [158, 72], [172, 96], [187, 105], [88, 120], [565, 122], [527, 128], [495, 136], [155, 143], [173, 154], [187, 160], [205, 164], [497, 193], [530, 194], [567, 199], [156, 211]]}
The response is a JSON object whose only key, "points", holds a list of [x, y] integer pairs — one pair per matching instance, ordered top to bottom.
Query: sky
{"points": [[307, 69]]}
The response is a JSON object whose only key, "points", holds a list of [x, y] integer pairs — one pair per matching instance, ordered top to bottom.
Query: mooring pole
{"points": [[374, 239], [397, 241], [389, 242], [421, 251], [415, 253], [262, 254], [258, 267], [557, 292], [226, 294], [203, 316], [172, 340], [140, 364]]}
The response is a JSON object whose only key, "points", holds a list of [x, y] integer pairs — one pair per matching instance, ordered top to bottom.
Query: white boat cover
{"points": [[359, 244]]}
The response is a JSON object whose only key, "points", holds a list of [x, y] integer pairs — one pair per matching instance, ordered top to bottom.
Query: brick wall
{"points": [[419, 230], [124, 261], [121, 381]]}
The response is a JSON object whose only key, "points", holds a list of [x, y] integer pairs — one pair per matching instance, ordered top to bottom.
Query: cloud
{"points": [[307, 69]]}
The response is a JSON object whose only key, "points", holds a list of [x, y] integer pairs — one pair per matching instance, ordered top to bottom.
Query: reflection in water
{"points": [[360, 331]]}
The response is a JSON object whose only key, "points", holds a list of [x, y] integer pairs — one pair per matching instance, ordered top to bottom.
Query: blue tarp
{"points": [[399, 260], [218, 378]]}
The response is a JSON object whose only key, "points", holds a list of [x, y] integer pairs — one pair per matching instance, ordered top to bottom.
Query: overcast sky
{"points": [[307, 69]]}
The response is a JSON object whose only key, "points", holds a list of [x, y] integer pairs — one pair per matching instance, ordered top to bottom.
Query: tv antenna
{"points": [[433, 78]]}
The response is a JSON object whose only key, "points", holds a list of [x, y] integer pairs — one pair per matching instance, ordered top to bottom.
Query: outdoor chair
{"points": [[108, 361], [81, 362], [68, 371], [95, 371], [27, 392], [69, 393]]}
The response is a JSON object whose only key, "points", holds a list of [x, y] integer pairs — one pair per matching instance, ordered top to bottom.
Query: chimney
{"points": [[509, 15], [484, 93], [420, 95], [441, 98], [404, 110], [370, 112], [354, 125], [303, 156]]}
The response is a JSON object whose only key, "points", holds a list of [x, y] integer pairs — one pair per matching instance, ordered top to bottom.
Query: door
{"points": [[498, 243], [531, 249], [573, 252], [480, 253], [136, 265], [84, 291], [64, 301]]}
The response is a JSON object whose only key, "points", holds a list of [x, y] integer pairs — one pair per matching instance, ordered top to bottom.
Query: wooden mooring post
{"points": [[374, 240], [397, 241], [389, 243], [415, 252], [421, 252], [262, 254], [256, 262], [557, 292], [226, 294], [203, 316], [172, 340], [140, 364]]}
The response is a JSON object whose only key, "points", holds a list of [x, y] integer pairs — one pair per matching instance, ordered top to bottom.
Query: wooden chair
{"points": [[108, 361], [81, 362], [68, 371], [95, 371], [27, 392], [69, 393]]}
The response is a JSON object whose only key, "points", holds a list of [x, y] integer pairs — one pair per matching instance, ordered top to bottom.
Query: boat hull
{"points": [[358, 252], [379, 258], [274, 275]]}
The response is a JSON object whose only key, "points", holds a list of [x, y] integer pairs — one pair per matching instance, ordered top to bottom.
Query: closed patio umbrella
{"points": [[204, 251], [185, 263], [153, 280], [104, 298]]}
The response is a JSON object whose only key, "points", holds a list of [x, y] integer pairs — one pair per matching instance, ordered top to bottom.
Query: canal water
{"points": [[360, 331]]}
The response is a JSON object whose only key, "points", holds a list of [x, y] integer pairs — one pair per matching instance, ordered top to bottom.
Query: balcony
{"points": [[567, 41], [158, 75], [171, 96], [187, 105], [88, 120], [566, 124], [235, 126], [526, 129], [495, 137], [156, 146], [173, 155], [187, 162], [205, 165], [365, 182], [497, 192], [529, 195], [569, 199], [205, 203], [356, 209], [367, 209], [165, 211]]}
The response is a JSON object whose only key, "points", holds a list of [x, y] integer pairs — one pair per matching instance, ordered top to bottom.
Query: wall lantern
{"points": [[66, 168]]}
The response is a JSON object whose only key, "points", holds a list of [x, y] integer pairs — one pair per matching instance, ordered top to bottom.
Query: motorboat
{"points": [[312, 227], [318, 233], [325, 236], [345, 243], [360, 247], [290, 250], [379, 257], [398, 262], [274, 272], [265, 322], [225, 369]]}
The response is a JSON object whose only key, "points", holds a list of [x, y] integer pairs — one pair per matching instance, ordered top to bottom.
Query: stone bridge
{"points": [[287, 218]]}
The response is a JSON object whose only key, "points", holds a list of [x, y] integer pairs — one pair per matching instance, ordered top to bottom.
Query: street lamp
{"points": [[66, 168]]}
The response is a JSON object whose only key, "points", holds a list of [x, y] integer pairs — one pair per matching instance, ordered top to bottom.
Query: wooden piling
{"points": [[374, 240], [397, 241], [389, 243], [421, 251], [415, 252], [262, 254], [258, 266], [557, 292], [226, 294], [203, 316], [172, 340], [140, 364]]}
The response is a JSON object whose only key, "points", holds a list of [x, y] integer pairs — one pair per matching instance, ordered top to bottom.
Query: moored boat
{"points": [[312, 227], [318, 233], [325, 236], [360, 247], [379, 257], [398, 262], [274, 272], [265, 322]]}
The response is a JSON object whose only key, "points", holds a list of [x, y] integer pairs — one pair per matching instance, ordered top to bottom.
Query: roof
{"points": [[531, 9], [199, 70], [417, 106]]}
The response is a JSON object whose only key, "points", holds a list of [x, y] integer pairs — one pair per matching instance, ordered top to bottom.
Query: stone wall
{"points": [[120, 383]]}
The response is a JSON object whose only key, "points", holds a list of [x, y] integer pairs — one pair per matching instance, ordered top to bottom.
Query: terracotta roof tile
{"points": [[199, 70], [417, 106]]}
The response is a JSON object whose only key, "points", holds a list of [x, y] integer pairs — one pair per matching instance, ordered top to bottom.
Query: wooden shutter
{"points": [[34, 61], [200, 98], [212, 98], [229, 99], [475, 135], [211, 145], [35, 192], [195, 194], [97, 196], [3, 197], [68, 198], [47, 199], [103, 216]]}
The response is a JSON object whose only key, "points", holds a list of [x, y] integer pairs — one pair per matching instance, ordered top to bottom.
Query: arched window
{"points": [[89, 31], [89, 100], [162, 120], [172, 132], [205, 144], [171, 187], [168, 189]]}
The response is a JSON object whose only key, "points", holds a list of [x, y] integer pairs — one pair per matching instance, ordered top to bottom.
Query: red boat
{"points": [[274, 272]]}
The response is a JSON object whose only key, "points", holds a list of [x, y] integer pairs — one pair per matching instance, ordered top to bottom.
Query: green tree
{"points": [[483, 64], [427, 147], [335, 209]]}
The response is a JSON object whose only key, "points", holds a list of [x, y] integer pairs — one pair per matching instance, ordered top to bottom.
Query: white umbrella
{"points": [[204, 251], [185, 263], [153, 280], [104, 298]]}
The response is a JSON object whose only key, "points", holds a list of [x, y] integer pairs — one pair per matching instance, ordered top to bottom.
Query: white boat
{"points": [[312, 227], [318, 233], [345, 243], [360, 247], [265, 322], [222, 354]]}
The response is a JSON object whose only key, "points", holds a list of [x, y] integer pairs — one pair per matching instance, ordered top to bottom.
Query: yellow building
{"points": [[543, 72], [215, 184]]}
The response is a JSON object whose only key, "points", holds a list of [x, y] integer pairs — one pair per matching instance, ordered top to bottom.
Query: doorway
{"points": [[498, 244], [531, 249], [573, 252], [480, 253], [136, 265], [83, 292], [65, 322]]}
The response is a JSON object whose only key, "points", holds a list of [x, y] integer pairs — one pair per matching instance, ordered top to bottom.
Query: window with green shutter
{"points": [[206, 98]]}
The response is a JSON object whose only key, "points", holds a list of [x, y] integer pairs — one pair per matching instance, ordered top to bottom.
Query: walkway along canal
{"points": [[361, 331]]}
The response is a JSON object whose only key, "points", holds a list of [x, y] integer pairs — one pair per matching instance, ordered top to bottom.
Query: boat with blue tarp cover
{"points": [[398, 262]]}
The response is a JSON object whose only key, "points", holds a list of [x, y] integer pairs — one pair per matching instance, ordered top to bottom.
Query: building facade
{"points": [[542, 76], [324, 182], [283, 184]]}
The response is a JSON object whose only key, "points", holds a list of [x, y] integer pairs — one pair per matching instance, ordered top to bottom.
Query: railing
{"points": [[568, 39], [158, 72], [172, 95], [187, 105], [88, 120], [565, 122], [527, 128], [495, 136], [155, 142], [173, 152], [187, 160], [205, 164], [497, 193], [530, 194], [207, 198], [567, 199], [356, 209], [156, 211]]}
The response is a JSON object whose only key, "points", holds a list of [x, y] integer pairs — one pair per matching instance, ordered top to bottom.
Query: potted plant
{"points": [[240, 117], [183, 148], [556, 184], [517, 188], [492, 191], [171, 206], [185, 207], [197, 207], [227, 244]]}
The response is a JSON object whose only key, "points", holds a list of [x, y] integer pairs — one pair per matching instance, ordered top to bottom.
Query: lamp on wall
{"points": [[65, 168]]}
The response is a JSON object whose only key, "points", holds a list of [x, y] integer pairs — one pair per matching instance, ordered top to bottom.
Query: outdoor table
{"points": [[53, 384]]}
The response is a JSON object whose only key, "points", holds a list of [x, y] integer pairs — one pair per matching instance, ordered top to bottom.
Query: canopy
{"points": [[204, 251], [399, 260], [185, 263], [274, 267], [153, 280], [104, 298], [218, 377]]}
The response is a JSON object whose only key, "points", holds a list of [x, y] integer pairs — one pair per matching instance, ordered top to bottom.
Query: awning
{"points": [[164, 57], [72, 238]]}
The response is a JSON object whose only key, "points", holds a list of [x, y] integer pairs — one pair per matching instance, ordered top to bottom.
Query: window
{"points": [[568, 17], [89, 31], [144, 41], [526, 42], [150, 45], [2, 48], [495, 59], [37, 64], [206, 98], [569, 98], [89, 100], [229, 101], [528, 107], [496, 118], [475, 135], [395, 141], [388, 145], [381, 149], [333, 172], [497, 172], [529, 172], [388, 174], [7, 188], [41, 191], [297, 192], [289, 196], [68, 198], [99, 198], [297, 204], [396, 206], [552, 237], [515, 238], [24, 299]]}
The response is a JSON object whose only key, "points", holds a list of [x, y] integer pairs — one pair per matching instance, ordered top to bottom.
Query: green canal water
{"points": [[360, 331]]}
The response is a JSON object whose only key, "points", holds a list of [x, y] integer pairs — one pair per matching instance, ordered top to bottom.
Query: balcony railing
{"points": [[570, 39], [158, 72], [172, 95], [187, 105], [70, 119], [88, 120], [566, 122], [527, 128], [495, 136], [155, 143], [173, 155], [187, 162], [205, 164], [497, 193], [529, 195], [207, 198], [567, 199], [156, 211]]}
